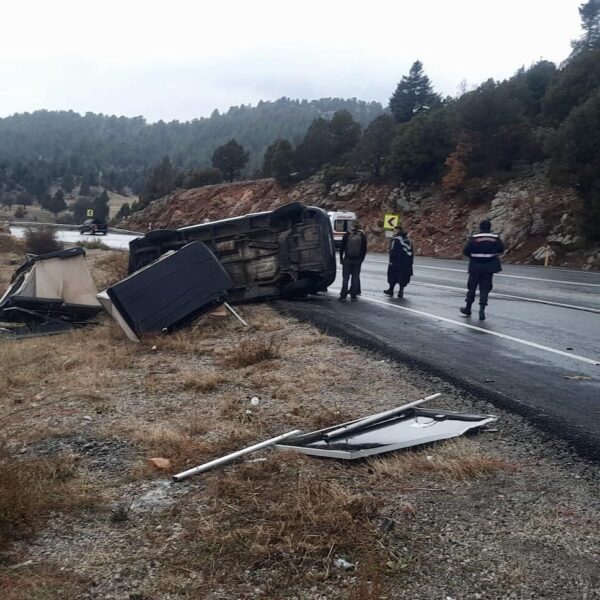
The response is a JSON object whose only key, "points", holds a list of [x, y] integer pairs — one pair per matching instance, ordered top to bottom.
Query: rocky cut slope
{"points": [[535, 219]]}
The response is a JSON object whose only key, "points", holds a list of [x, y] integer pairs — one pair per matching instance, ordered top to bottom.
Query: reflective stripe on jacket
{"points": [[483, 250]]}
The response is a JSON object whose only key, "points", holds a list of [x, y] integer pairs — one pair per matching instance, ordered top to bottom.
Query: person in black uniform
{"points": [[482, 249], [353, 250], [400, 268]]}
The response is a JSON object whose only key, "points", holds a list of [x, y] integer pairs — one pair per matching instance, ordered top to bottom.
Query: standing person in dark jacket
{"points": [[482, 249], [353, 250], [400, 269]]}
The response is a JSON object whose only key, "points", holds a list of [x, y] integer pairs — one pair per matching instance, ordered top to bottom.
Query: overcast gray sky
{"points": [[181, 59]]}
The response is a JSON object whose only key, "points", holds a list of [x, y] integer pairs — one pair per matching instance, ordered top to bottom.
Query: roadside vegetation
{"points": [[41, 240]]}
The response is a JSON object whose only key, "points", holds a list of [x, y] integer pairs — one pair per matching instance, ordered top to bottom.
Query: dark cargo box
{"points": [[171, 291]]}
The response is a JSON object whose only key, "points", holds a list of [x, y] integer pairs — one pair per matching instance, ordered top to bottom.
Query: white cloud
{"points": [[182, 59]]}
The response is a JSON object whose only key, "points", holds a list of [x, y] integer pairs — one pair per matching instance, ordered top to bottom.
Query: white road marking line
{"points": [[465, 272], [514, 276], [500, 295], [481, 330]]}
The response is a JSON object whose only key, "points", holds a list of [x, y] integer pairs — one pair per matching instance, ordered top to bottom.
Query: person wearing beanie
{"points": [[483, 250], [400, 268]]}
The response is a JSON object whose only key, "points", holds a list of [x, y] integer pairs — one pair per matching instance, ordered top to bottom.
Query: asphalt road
{"points": [[118, 241], [538, 352]]}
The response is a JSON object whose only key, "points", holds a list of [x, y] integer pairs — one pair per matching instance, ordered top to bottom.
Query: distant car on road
{"points": [[93, 226], [284, 253]]}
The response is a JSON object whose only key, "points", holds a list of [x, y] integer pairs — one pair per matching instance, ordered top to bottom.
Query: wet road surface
{"points": [[118, 241], [537, 353]]}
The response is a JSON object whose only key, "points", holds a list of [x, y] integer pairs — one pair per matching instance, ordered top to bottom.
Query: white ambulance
{"points": [[340, 223]]}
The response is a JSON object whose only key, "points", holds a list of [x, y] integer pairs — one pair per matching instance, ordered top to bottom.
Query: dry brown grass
{"points": [[10, 244], [107, 267], [249, 352], [84, 361], [202, 382], [185, 443], [456, 459], [33, 488], [274, 517], [40, 583]]}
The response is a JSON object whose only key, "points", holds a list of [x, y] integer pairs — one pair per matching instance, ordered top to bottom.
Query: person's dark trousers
{"points": [[350, 274], [391, 276], [484, 281]]}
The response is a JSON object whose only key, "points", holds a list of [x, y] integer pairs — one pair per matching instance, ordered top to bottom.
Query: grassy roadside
{"points": [[506, 514]]}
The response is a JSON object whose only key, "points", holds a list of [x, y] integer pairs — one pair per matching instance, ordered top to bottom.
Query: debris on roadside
{"points": [[50, 293], [168, 293], [578, 377], [403, 427], [231, 457], [159, 463], [342, 563]]}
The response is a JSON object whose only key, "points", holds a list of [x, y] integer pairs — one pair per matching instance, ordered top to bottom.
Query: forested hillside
{"points": [[38, 148]]}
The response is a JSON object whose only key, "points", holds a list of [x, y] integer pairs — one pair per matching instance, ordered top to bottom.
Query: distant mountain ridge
{"points": [[130, 144]]}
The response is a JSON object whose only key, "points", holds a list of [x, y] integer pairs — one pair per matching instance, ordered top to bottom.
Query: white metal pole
{"points": [[235, 314], [378, 417], [230, 457]]}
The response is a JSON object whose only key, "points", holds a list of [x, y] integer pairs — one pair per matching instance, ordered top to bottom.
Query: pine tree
{"points": [[590, 23], [414, 95], [345, 132], [317, 147], [373, 149], [420, 149], [230, 159], [279, 161], [576, 162], [200, 177], [160, 183], [56, 203], [100, 206], [123, 212]]}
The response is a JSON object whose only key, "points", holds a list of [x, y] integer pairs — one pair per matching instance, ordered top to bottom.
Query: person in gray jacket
{"points": [[353, 250], [483, 250]]}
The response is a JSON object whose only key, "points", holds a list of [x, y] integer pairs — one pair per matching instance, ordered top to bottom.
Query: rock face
{"points": [[533, 217]]}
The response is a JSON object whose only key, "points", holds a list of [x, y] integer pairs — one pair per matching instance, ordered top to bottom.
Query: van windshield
{"points": [[341, 224]]}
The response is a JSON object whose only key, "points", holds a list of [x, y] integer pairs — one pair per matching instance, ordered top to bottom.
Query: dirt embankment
{"points": [[534, 218]]}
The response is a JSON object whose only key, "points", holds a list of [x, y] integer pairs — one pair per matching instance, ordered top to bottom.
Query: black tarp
{"points": [[170, 292]]}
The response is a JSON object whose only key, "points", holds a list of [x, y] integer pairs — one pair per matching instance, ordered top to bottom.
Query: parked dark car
{"points": [[93, 226], [282, 253]]}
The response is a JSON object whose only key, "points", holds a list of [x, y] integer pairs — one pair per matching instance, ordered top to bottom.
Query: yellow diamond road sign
{"points": [[90, 212], [391, 221]]}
